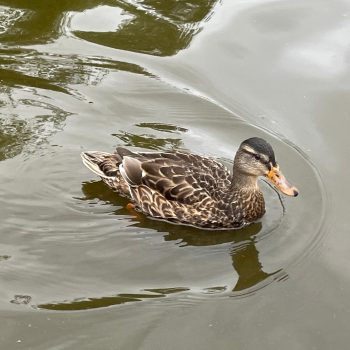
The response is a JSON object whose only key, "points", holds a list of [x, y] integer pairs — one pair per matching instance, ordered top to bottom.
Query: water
{"points": [[80, 271]]}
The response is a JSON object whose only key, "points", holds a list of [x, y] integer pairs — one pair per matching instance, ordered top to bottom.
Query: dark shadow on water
{"points": [[242, 250]]}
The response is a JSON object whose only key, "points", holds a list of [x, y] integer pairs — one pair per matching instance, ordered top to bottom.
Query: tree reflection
{"points": [[38, 21], [160, 28], [27, 115]]}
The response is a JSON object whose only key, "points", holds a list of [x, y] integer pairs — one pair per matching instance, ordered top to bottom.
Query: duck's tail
{"points": [[101, 163], [106, 165]]}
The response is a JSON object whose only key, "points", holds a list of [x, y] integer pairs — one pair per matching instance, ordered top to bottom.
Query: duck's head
{"points": [[255, 157]]}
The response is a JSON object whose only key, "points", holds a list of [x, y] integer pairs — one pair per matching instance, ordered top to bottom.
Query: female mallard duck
{"points": [[191, 189]]}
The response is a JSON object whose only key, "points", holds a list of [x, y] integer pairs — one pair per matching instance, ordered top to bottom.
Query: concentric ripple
{"points": [[71, 240], [132, 257]]}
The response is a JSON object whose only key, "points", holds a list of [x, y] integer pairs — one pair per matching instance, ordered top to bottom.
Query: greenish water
{"points": [[80, 271]]}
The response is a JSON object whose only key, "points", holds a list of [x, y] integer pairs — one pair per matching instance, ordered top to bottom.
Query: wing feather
{"points": [[179, 176]]}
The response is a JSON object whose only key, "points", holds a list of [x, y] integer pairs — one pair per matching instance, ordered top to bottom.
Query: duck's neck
{"points": [[243, 181], [247, 199]]}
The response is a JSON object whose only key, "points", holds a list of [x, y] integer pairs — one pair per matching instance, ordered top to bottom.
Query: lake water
{"points": [[80, 271]]}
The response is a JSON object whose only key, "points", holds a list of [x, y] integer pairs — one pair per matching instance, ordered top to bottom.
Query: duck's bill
{"points": [[278, 179]]}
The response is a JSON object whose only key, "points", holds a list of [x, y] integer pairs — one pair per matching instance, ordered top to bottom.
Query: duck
{"points": [[191, 189]]}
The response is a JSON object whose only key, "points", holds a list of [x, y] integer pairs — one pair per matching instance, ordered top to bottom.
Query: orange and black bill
{"points": [[278, 179]]}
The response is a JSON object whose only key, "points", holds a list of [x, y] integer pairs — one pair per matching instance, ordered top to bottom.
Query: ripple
{"points": [[101, 253], [260, 253]]}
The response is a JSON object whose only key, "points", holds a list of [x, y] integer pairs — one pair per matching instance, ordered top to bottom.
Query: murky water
{"points": [[80, 271]]}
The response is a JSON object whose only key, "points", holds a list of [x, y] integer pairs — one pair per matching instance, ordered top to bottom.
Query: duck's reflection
{"points": [[243, 251], [245, 261]]}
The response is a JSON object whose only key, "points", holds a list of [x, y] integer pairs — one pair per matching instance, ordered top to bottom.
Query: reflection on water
{"points": [[34, 22], [153, 27], [160, 28], [20, 68], [28, 68], [28, 116], [162, 127], [16, 133], [153, 141], [82, 249], [243, 253], [4, 257], [245, 261], [248, 272], [21, 299], [95, 303]]}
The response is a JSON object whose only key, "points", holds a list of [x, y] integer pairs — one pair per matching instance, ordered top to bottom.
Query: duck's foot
{"points": [[130, 206]]}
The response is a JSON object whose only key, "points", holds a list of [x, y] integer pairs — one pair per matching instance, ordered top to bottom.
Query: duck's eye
{"points": [[257, 157]]}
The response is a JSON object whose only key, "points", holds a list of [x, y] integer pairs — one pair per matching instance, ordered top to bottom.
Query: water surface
{"points": [[79, 270]]}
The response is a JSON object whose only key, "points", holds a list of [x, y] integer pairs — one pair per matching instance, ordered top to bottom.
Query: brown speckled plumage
{"points": [[186, 188]]}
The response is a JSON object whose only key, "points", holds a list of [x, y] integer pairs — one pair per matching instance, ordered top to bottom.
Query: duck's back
{"points": [[175, 186]]}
